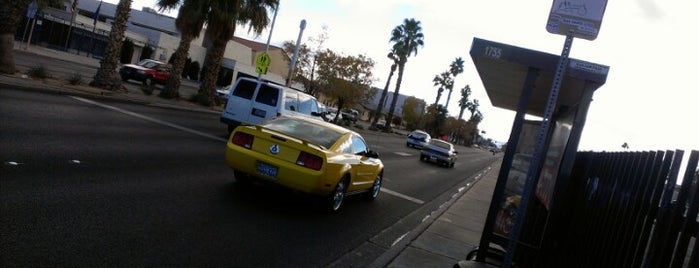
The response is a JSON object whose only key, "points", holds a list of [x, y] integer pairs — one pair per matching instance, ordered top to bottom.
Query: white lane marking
{"points": [[150, 119], [402, 154], [396, 194], [399, 239]]}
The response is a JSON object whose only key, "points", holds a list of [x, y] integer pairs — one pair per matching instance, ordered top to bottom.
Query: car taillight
{"points": [[243, 139], [310, 161]]}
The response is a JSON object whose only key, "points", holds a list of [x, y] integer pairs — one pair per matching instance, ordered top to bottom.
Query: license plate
{"points": [[266, 169]]}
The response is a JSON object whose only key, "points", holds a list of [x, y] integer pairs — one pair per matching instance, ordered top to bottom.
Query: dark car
{"points": [[147, 71], [350, 115], [417, 139], [440, 152]]}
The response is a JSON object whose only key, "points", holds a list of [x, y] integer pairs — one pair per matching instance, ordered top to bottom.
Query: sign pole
{"points": [[269, 38]]}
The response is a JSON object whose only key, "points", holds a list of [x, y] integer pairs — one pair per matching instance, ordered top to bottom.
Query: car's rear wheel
{"points": [[242, 177], [375, 188], [337, 196]]}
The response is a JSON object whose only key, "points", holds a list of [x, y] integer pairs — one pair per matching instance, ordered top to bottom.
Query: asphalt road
{"points": [[98, 183]]}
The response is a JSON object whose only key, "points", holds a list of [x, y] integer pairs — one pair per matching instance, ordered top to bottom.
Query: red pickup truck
{"points": [[149, 72]]}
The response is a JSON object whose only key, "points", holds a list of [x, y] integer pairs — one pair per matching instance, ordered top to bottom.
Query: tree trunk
{"points": [[11, 12], [214, 54], [106, 76], [172, 87], [448, 98], [379, 108], [461, 113], [389, 118]]}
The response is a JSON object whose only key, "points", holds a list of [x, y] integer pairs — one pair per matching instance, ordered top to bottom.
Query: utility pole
{"points": [[296, 53]]}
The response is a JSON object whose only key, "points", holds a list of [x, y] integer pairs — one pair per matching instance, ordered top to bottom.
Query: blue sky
{"points": [[649, 100]]}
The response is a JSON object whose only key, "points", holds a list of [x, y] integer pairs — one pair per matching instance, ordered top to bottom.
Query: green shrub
{"points": [[39, 72], [75, 79]]}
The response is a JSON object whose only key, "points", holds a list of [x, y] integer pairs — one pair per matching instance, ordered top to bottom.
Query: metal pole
{"points": [[72, 20], [26, 26], [31, 31], [269, 38], [296, 53], [533, 171]]}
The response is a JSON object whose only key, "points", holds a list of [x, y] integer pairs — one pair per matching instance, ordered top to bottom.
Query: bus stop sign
{"points": [[583, 17]]}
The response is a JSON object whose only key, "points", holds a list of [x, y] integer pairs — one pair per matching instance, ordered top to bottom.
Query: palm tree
{"points": [[11, 12], [223, 17], [190, 20], [406, 37], [391, 55], [456, 68], [106, 76], [443, 82], [464, 102], [473, 108]]}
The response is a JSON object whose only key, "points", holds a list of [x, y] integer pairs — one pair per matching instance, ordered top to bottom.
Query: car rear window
{"points": [[314, 133], [418, 135], [440, 144]]}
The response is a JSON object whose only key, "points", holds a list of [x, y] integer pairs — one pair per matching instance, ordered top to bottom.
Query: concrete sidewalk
{"points": [[453, 232], [442, 240]]}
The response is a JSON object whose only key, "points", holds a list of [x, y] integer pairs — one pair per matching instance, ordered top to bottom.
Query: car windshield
{"points": [[147, 63], [305, 130], [419, 135]]}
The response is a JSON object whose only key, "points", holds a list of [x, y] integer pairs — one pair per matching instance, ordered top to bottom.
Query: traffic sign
{"points": [[32, 9], [582, 17], [263, 59], [261, 69]]}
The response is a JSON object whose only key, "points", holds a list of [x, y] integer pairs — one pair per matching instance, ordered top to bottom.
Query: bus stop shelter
{"points": [[520, 80]]}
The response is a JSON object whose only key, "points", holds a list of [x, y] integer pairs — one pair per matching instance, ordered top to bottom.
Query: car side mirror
{"points": [[456, 152], [371, 154]]}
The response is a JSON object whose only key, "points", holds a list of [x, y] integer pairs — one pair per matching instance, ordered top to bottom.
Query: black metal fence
{"points": [[626, 210]]}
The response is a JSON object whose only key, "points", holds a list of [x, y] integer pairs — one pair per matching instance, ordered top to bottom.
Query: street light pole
{"points": [[296, 53]]}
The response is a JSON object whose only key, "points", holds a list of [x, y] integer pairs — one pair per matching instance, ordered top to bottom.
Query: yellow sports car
{"points": [[308, 155]]}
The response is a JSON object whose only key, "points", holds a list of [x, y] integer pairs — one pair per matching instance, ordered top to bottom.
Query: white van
{"points": [[251, 101]]}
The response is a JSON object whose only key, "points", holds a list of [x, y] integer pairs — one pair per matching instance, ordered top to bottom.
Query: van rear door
{"points": [[239, 103], [266, 104]]}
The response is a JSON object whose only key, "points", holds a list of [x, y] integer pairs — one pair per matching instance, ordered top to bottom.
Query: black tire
{"points": [[124, 78], [149, 82], [451, 165], [242, 178], [375, 188], [337, 196]]}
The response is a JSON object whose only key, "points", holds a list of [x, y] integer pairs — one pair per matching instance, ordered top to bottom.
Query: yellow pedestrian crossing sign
{"points": [[262, 63], [261, 69]]}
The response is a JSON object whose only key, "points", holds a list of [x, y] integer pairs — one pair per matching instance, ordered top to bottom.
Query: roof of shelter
{"points": [[503, 70]]}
